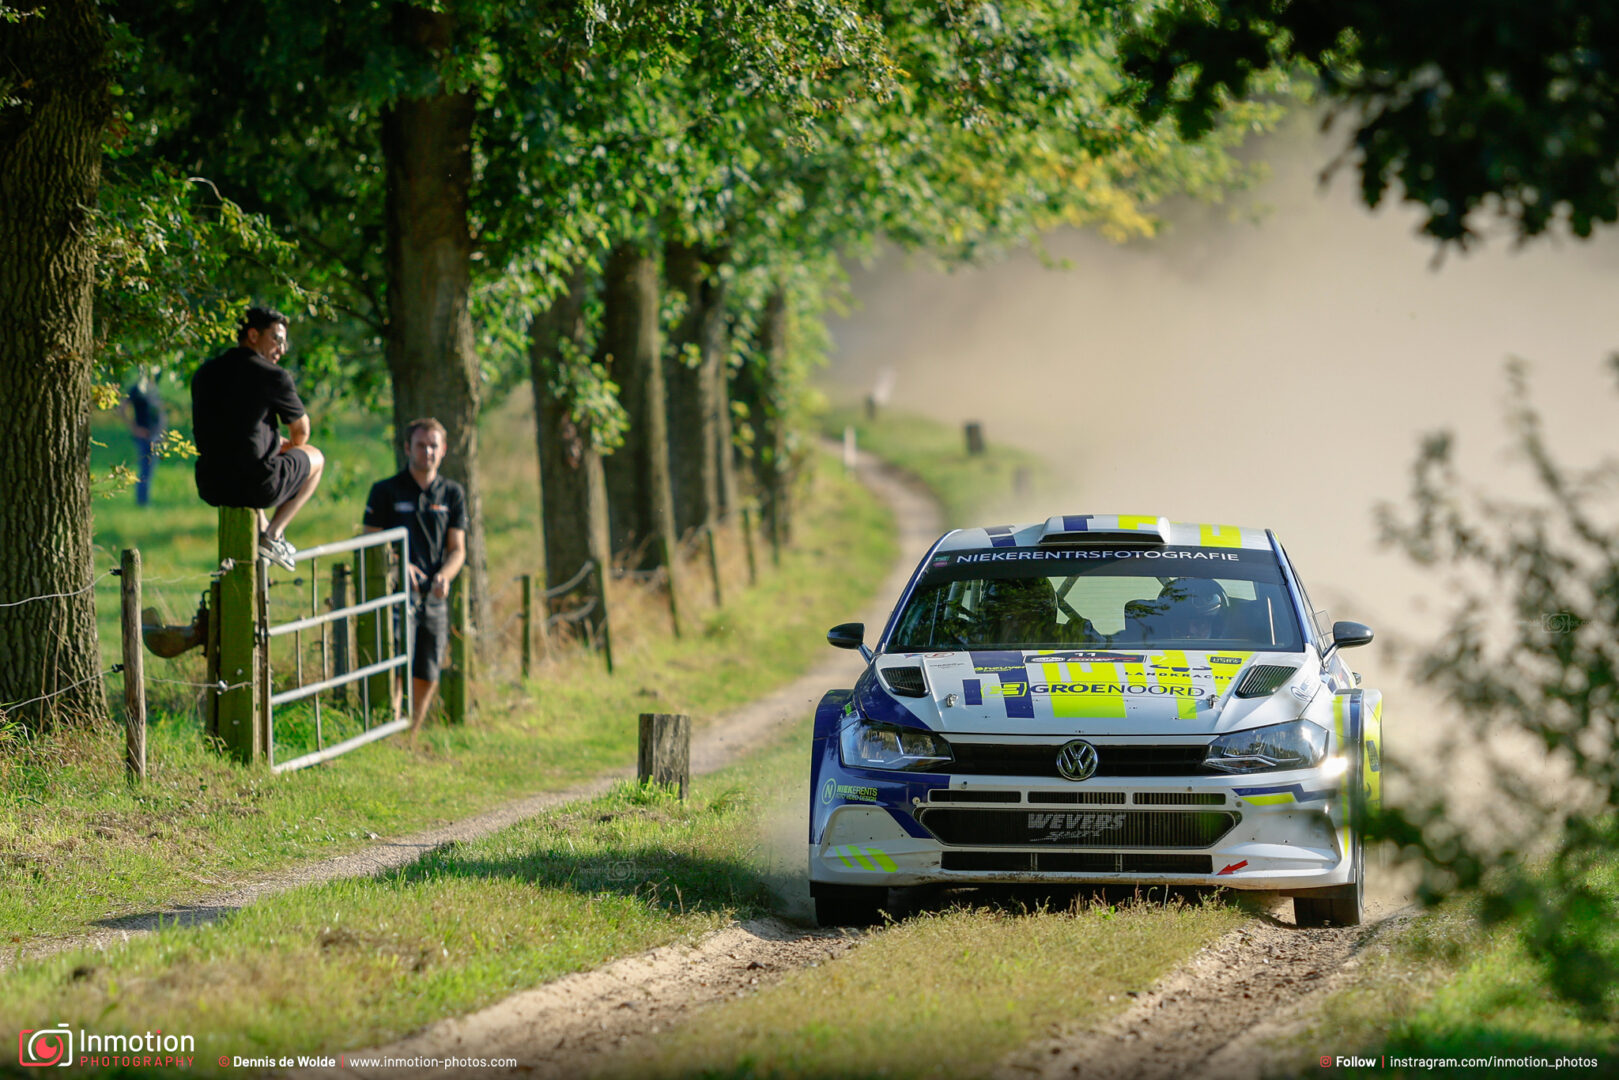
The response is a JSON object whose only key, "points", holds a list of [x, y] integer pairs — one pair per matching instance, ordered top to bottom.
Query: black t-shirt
{"points": [[238, 400], [428, 513]]}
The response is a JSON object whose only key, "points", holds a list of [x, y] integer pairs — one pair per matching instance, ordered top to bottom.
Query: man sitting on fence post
{"points": [[238, 401], [434, 509]]}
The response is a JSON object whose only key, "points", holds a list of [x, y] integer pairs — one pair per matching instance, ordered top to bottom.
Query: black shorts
{"points": [[260, 489], [432, 618]]}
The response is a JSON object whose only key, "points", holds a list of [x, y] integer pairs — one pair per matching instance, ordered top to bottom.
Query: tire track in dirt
{"points": [[715, 744], [1214, 1015], [567, 1027]]}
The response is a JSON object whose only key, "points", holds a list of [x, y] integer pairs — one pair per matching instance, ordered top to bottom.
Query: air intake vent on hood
{"points": [[1263, 680], [906, 681]]}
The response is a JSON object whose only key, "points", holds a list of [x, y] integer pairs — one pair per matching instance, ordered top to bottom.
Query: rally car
{"points": [[1098, 700]]}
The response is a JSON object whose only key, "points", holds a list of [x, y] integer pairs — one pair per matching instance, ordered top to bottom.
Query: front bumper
{"points": [[1271, 831]]}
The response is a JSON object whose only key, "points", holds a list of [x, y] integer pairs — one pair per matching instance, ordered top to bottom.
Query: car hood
{"points": [[1087, 691]]}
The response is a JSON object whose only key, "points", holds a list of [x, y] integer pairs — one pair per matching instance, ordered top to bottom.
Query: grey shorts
{"points": [[432, 618]]}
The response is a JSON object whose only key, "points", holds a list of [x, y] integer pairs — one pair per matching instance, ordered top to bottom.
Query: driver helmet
{"points": [[1196, 598]]}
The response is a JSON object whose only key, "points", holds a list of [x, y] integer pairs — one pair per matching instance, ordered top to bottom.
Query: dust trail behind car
{"points": [[1276, 373]]}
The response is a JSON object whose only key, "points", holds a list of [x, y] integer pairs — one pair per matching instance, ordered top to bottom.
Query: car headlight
{"points": [[1299, 745], [884, 746]]}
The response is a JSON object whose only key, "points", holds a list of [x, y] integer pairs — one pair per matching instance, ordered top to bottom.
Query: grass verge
{"points": [[972, 488], [78, 846], [357, 963], [1447, 988], [940, 995]]}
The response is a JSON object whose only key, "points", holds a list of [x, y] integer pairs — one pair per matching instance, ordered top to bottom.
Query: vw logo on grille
{"points": [[1076, 760]]}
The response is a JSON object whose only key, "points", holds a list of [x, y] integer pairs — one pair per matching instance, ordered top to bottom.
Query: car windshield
{"points": [[1171, 598]]}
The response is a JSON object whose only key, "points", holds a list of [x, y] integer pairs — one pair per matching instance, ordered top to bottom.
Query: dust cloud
{"points": [[1272, 362]]}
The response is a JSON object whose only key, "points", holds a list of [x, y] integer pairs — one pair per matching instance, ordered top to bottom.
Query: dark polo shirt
{"points": [[428, 513]]}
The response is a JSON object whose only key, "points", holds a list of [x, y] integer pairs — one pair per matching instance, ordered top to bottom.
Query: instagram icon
{"points": [[46, 1046]]}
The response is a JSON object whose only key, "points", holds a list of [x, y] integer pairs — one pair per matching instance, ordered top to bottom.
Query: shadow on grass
{"points": [[674, 882]]}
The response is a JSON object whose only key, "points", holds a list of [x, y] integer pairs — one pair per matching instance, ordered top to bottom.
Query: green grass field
{"points": [[77, 845]]}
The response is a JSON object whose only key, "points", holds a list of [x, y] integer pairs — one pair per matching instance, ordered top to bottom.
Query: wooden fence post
{"points": [[747, 542], [669, 551], [714, 567], [129, 591], [526, 619], [605, 622], [373, 630], [454, 678], [210, 698], [238, 723], [664, 750]]}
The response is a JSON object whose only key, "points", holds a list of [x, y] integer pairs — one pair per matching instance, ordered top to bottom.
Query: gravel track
{"points": [[1214, 1015]]}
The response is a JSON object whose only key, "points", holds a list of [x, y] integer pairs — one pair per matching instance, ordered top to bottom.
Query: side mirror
{"points": [[849, 635], [1347, 635]]}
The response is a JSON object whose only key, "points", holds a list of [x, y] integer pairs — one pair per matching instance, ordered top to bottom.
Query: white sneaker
{"points": [[278, 550]]}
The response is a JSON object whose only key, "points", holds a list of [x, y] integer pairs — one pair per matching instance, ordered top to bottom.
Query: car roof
{"points": [[1072, 529]]}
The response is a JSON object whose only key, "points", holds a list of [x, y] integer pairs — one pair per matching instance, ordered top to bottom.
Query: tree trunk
{"points": [[57, 63], [427, 146], [696, 388], [761, 388], [724, 429], [573, 494], [640, 508]]}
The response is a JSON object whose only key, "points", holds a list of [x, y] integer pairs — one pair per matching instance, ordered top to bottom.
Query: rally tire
{"points": [[850, 905], [1342, 905]]}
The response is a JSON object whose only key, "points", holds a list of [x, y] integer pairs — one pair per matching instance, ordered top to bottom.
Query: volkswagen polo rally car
{"points": [[1096, 700]]}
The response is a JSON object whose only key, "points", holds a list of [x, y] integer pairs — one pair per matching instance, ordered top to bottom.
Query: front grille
{"points": [[1263, 679], [906, 681], [1118, 759], [939, 795], [1083, 798], [1178, 798], [1080, 828], [1070, 862]]}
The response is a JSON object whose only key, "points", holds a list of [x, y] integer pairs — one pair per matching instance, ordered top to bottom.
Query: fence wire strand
{"points": [[60, 595], [54, 693]]}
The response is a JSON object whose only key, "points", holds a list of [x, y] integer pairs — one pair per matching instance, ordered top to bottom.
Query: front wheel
{"points": [[850, 905], [1341, 905]]}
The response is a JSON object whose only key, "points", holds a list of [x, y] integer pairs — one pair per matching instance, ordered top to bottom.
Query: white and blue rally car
{"points": [[1098, 700]]}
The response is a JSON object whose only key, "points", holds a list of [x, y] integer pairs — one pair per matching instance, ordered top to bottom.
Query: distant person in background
{"points": [[239, 399], [145, 416], [434, 509]]}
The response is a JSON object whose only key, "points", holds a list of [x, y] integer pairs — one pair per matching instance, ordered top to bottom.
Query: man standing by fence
{"points": [[238, 401], [434, 509]]}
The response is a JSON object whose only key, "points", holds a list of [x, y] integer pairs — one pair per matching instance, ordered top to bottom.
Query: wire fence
{"points": [[569, 615]]}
